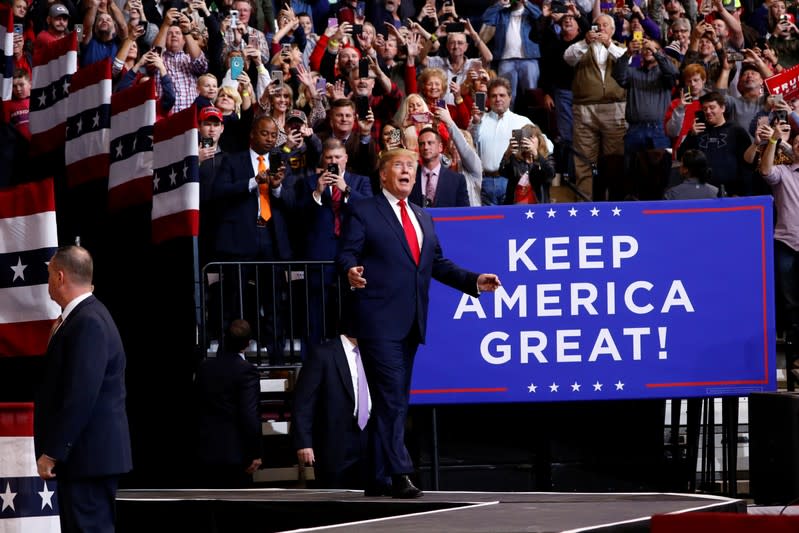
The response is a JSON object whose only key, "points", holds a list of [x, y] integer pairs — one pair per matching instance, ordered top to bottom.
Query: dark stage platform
{"points": [[268, 510]]}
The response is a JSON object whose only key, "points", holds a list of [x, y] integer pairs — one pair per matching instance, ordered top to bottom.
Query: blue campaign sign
{"points": [[603, 301]]}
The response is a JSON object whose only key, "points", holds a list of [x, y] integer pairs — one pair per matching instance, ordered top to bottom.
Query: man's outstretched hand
{"points": [[488, 282]]}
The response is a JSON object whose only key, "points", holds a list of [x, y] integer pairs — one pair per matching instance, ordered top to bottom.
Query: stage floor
{"points": [[267, 510]]}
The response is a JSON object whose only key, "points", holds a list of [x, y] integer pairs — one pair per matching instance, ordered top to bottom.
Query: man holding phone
{"points": [[235, 36], [184, 59], [457, 66], [598, 104], [384, 105], [724, 143]]}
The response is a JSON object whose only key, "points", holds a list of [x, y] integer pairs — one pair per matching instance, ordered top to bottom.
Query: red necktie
{"points": [[336, 194], [410, 232]]}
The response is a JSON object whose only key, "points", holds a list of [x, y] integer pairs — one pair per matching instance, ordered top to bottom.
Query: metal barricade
{"points": [[287, 303]]}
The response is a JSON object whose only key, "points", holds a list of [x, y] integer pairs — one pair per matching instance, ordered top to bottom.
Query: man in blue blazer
{"points": [[436, 185], [324, 200], [323, 207], [389, 253], [227, 389], [324, 425], [80, 430]]}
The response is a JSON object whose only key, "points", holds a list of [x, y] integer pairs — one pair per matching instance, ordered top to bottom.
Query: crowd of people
{"points": [[304, 107]]}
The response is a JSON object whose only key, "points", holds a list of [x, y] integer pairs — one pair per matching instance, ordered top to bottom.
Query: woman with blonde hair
{"points": [[431, 85], [277, 102], [413, 116], [528, 166]]}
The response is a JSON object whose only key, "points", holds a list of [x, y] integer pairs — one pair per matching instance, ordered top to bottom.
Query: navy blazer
{"points": [[450, 189], [238, 210], [321, 242], [396, 292], [227, 391], [324, 403], [79, 412]]}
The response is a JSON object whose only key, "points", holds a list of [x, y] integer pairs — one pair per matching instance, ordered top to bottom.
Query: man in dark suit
{"points": [[355, 133], [436, 185], [323, 199], [253, 201], [253, 204], [394, 246], [327, 410], [80, 424], [229, 429]]}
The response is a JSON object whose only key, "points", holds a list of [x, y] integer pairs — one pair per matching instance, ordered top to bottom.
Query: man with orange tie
{"points": [[253, 203], [389, 253]]}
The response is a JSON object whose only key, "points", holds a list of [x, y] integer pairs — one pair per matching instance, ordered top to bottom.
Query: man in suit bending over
{"points": [[436, 185], [389, 253], [80, 430]]}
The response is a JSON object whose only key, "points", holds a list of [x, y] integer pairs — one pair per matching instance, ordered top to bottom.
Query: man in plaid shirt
{"points": [[183, 58]]}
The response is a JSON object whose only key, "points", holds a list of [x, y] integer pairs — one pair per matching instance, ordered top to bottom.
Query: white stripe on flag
{"points": [[58, 67], [90, 97], [49, 117], [133, 119], [87, 145], [174, 150], [136, 166], [184, 198], [29, 232], [26, 304], [17, 457], [31, 524]]}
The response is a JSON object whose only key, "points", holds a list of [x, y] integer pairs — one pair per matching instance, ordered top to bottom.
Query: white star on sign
{"points": [[66, 87], [42, 99], [96, 120], [78, 126], [119, 149], [185, 170], [172, 177], [156, 179], [616, 211], [572, 212], [594, 212], [529, 213], [551, 213], [19, 270], [619, 385], [597, 386], [554, 387], [576, 387], [532, 388], [47, 497], [8, 498]]}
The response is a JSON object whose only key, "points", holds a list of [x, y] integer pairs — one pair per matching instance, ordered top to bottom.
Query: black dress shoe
{"points": [[403, 488], [375, 491]]}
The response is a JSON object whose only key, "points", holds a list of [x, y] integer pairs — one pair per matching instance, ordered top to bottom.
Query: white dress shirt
{"points": [[349, 351]]}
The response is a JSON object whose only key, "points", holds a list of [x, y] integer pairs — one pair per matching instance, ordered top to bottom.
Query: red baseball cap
{"points": [[211, 112]]}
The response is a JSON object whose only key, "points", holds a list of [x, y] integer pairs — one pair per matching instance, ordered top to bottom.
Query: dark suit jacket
{"points": [[450, 189], [238, 211], [321, 242], [396, 293], [324, 402], [79, 413], [229, 429]]}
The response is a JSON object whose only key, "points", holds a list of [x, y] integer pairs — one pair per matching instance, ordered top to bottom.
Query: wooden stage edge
{"points": [[273, 510]]}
